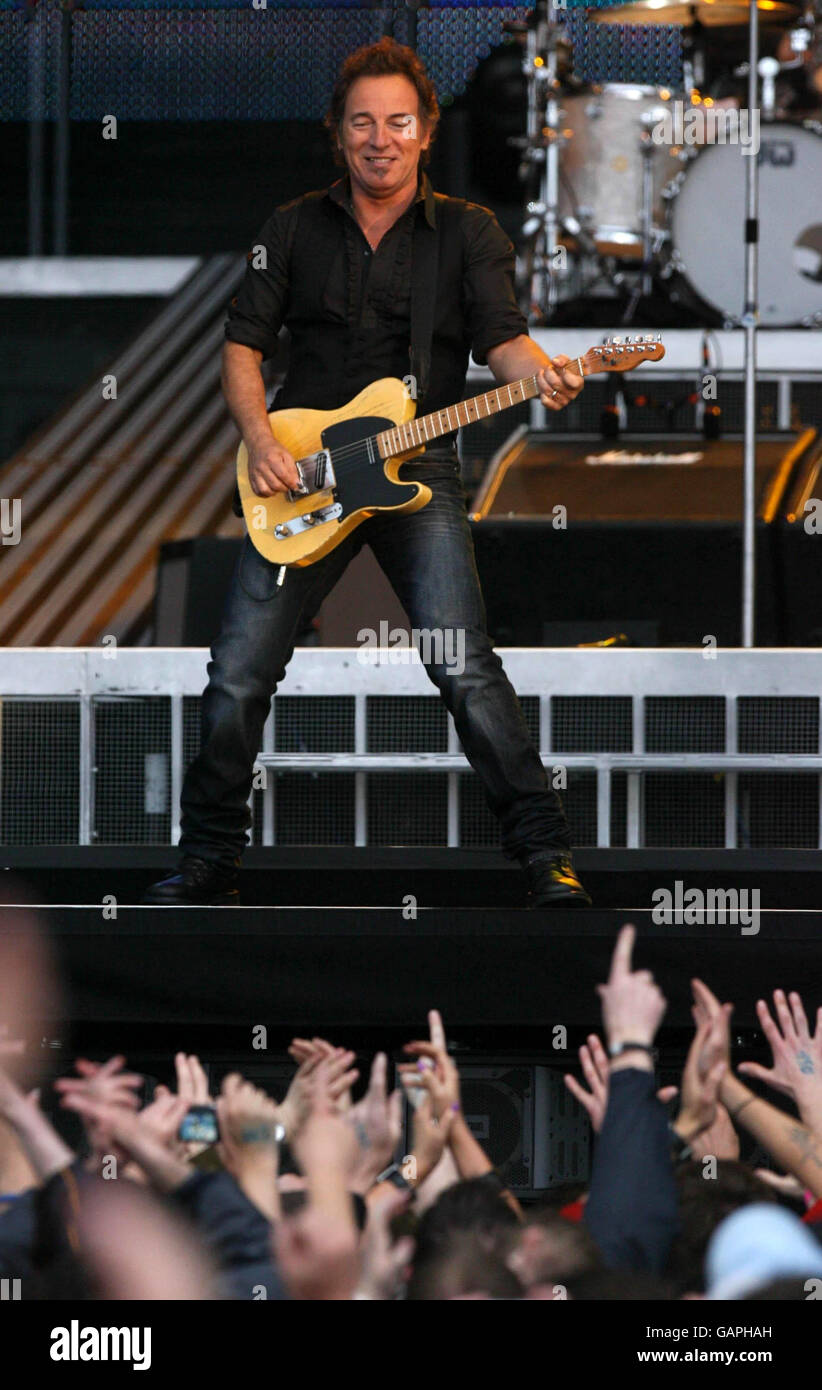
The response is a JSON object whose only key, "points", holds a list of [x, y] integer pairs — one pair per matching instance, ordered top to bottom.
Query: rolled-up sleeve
{"points": [[492, 313], [255, 315]]}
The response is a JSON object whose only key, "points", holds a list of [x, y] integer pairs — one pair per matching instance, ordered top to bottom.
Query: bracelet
{"points": [[617, 1049], [741, 1107], [685, 1152], [393, 1174]]}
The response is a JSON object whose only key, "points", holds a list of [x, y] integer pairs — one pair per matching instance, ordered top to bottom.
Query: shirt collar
{"points": [[340, 192]]}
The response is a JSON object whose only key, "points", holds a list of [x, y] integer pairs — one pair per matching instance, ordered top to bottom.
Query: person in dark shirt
{"points": [[335, 267]]}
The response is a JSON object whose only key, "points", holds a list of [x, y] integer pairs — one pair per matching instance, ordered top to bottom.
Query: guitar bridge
{"points": [[316, 475], [304, 523]]}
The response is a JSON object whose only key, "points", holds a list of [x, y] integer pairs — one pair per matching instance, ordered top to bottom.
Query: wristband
{"points": [[616, 1049], [684, 1151], [394, 1174]]}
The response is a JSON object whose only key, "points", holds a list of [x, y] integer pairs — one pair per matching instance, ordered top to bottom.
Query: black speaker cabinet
{"points": [[640, 536]]}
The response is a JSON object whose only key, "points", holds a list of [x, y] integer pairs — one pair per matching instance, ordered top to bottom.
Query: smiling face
{"points": [[382, 135]]}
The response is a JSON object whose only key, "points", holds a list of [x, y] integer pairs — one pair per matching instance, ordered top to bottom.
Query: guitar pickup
{"points": [[316, 475], [296, 524]]}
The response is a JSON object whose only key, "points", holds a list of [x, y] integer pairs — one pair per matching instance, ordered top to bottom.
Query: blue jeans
{"points": [[428, 557]]}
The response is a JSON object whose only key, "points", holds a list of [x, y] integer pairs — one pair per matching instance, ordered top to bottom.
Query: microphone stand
{"points": [[750, 323]]}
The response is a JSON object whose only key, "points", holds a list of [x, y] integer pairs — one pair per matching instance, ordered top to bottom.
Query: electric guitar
{"points": [[348, 459]]}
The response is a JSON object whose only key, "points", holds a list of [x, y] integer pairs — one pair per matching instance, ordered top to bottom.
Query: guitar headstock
{"points": [[623, 354]]}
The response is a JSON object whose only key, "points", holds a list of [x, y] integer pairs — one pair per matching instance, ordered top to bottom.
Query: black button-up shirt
{"points": [[360, 329]]}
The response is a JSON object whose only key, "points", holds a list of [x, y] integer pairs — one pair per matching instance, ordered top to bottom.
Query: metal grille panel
{"points": [[313, 724], [406, 724], [591, 724], [778, 724], [676, 725], [93, 751], [132, 754], [40, 784], [314, 808], [407, 808], [684, 810], [778, 811]]}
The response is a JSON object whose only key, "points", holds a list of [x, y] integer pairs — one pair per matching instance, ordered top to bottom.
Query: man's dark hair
{"points": [[384, 59], [703, 1204], [469, 1215], [465, 1265]]}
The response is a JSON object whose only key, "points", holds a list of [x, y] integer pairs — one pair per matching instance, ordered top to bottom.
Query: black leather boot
{"points": [[552, 880], [200, 882]]}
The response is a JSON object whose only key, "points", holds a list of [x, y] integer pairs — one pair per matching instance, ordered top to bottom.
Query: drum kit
{"points": [[634, 190]]}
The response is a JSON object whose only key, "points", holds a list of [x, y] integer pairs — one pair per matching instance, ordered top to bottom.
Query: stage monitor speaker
{"points": [[639, 536], [192, 583], [534, 1132]]}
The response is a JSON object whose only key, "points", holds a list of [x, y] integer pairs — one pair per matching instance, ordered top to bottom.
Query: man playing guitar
{"points": [[349, 317]]}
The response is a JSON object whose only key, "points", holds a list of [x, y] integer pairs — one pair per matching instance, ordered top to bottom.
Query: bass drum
{"points": [[707, 220]]}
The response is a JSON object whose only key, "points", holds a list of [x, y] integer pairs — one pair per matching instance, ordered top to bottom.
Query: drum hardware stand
{"points": [[693, 57], [769, 70], [541, 147], [643, 288], [749, 321]]}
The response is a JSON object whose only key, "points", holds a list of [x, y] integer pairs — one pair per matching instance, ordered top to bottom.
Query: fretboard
{"points": [[416, 432]]}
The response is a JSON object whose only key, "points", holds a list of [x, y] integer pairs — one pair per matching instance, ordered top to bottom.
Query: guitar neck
{"points": [[421, 431]]}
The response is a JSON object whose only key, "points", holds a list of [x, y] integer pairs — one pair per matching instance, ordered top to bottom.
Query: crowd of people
{"points": [[310, 1196]]}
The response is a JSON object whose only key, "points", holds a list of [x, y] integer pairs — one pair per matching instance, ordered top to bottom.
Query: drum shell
{"points": [[601, 164], [707, 218]]}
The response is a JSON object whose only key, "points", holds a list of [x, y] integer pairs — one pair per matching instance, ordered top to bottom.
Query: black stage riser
{"points": [[314, 876], [344, 969]]}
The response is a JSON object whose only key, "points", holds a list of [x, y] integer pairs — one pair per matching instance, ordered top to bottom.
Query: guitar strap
{"points": [[423, 294]]}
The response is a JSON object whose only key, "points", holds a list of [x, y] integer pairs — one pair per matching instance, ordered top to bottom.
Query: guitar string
{"points": [[348, 450]]}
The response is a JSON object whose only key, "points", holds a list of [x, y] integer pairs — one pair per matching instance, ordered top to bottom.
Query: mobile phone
{"points": [[199, 1125]]}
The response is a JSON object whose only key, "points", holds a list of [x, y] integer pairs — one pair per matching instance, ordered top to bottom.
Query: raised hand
{"points": [[632, 1003], [797, 1055], [594, 1061], [705, 1067], [435, 1070], [108, 1084], [296, 1105], [376, 1121], [430, 1136], [148, 1137], [720, 1139], [248, 1141]]}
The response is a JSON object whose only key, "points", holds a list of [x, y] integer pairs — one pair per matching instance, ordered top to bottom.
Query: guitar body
{"points": [[365, 484]]}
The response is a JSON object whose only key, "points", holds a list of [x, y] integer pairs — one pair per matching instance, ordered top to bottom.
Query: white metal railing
{"points": [[88, 674]]}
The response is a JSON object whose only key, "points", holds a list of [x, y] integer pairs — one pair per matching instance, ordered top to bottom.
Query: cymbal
{"points": [[689, 12]]}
